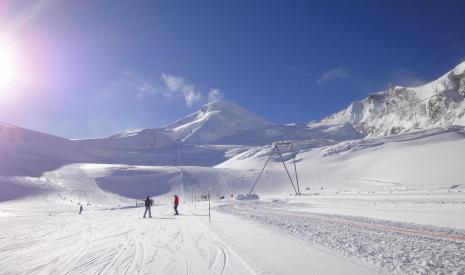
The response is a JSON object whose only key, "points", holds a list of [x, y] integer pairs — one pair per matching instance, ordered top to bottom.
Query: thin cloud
{"points": [[339, 72], [406, 78], [142, 85], [167, 85], [179, 85], [215, 95]]}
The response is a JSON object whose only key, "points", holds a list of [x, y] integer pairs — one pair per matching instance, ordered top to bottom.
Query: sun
{"points": [[7, 68]]}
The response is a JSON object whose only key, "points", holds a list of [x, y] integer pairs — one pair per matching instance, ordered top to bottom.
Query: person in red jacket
{"points": [[176, 203]]}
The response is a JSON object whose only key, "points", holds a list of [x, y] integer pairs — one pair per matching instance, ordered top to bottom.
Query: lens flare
{"points": [[7, 69]]}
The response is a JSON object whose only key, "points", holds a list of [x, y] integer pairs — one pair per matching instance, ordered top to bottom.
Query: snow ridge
{"points": [[400, 109], [214, 121]]}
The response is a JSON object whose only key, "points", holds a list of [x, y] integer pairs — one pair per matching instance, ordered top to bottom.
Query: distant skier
{"points": [[148, 203], [176, 203], [80, 209]]}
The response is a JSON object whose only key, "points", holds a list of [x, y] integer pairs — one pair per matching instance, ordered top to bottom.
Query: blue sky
{"points": [[93, 68]]}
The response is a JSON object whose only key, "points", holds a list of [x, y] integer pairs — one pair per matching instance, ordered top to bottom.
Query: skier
{"points": [[148, 203], [176, 203], [80, 209]]}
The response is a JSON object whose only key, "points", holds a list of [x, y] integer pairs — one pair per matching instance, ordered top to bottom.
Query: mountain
{"points": [[400, 109], [215, 121], [212, 123], [220, 123], [222, 129], [140, 139], [352, 148], [29, 153]]}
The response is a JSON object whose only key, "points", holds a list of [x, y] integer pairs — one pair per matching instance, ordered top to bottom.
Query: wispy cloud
{"points": [[339, 72], [407, 78], [136, 82], [166, 85], [179, 85], [215, 95]]}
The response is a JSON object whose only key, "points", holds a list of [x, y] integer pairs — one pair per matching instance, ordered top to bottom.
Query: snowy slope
{"points": [[399, 109], [134, 139], [29, 153], [331, 154], [418, 160], [361, 199], [110, 236]]}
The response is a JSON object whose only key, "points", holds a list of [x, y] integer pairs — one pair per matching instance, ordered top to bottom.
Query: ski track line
{"points": [[152, 234], [55, 237], [107, 237], [184, 241], [225, 245], [141, 246], [136, 249], [170, 250], [212, 250], [124, 252], [74, 259]]}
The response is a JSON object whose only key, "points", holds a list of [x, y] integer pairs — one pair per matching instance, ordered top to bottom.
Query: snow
{"points": [[439, 103], [214, 121], [409, 161], [382, 186], [247, 197], [247, 238], [92, 243], [391, 246], [270, 252]]}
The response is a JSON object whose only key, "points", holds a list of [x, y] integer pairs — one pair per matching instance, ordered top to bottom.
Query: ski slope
{"points": [[381, 195], [276, 235], [115, 241], [119, 241], [397, 247]]}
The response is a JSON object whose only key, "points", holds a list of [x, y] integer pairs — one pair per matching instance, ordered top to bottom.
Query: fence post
{"points": [[209, 213]]}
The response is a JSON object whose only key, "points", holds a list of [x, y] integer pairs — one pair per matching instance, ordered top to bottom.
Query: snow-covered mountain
{"points": [[399, 109], [215, 121], [220, 123], [209, 125], [221, 130], [141, 139], [27, 152]]}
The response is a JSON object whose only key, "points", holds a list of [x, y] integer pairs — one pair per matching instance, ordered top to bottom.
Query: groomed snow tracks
{"points": [[391, 246]]}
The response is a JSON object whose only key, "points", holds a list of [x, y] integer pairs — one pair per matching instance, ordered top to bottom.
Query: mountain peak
{"points": [[459, 69], [440, 103], [220, 105], [215, 120]]}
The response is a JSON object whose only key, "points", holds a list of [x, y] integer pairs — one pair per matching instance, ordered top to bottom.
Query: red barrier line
{"points": [[386, 228], [395, 229]]}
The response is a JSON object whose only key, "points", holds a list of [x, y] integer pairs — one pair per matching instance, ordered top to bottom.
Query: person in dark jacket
{"points": [[148, 203], [176, 203]]}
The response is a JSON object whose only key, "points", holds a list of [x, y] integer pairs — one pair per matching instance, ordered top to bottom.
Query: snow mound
{"points": [[247, 197]]}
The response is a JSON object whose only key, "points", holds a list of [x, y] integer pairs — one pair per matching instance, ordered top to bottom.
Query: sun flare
{"points": [[7, 68]]}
